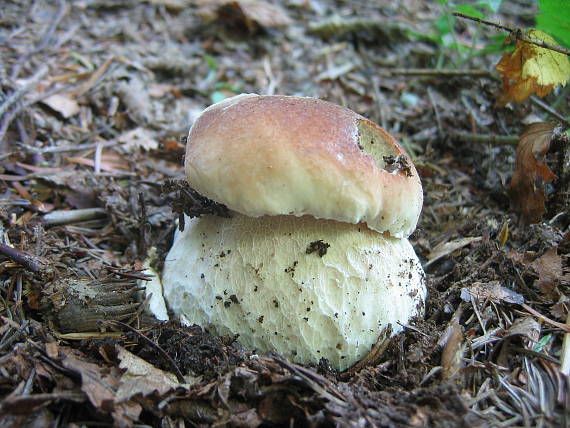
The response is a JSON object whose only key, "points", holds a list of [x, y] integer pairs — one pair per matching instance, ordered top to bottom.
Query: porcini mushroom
{"points": [[314, 261]]}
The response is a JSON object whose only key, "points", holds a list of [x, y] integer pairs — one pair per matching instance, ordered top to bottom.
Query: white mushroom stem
{"points": [[254, 277]]}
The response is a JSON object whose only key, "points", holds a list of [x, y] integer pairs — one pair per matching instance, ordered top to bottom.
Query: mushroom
{"points": [[314, 261]]}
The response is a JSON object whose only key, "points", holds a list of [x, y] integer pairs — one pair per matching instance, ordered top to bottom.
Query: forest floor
{"points": [[96, 98]]}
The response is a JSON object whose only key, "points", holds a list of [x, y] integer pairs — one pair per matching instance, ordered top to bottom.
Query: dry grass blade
{"points": [[565, 358]]}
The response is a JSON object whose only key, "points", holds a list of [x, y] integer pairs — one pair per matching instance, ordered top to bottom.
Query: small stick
{"points": [[482, 21], [517, 34], [541, 43], [436, 72], [92, 81], [29, 85], [538, 102], [467, 137], [495, 140], [76, 148], [72, 216], [26, 260], [140, 276], [564, 327], [14, 336], [177, 371]]}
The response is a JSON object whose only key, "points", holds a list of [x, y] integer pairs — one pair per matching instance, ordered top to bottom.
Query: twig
{"points": [[482, 21], [518, 34], [44, 39], [541, 43], [436, 72], [92, 81], [19, 93], [538, 102], [435, 110], [7, 115], [466, 137], [495, 140], [75, 148], [72, 216], [26, 260], [131, 275], [411, 327], [564, 327], [14, 336], [535, 354], [373, 357], [177, 371], [315, 381]]}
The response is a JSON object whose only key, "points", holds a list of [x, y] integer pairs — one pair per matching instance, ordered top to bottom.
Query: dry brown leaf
{"points": [[247, 12], [530, 69], [63, 104], [138, 138], [531, 172], [503, 235], [517, 257], [549, 270], [493, 291], [560, 309], [526, 327], [453, 348], [142, 377], [100, 384], [99, 387]]}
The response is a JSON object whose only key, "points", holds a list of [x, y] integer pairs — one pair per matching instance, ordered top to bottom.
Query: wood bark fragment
{"points": [[79, 305]]}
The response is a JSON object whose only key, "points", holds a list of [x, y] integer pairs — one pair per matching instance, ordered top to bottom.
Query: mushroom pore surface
{"points": [[257, 277]]}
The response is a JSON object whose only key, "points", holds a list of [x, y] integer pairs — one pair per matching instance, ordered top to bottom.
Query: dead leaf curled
{"points": [[531, 172]]}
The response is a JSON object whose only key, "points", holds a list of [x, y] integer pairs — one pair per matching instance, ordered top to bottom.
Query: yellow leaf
{"points": [[531, 69]]}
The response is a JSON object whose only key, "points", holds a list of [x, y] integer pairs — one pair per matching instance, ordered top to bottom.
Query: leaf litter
{"points": [[487, 352]]}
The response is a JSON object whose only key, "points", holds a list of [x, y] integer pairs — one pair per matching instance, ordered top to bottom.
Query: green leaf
{"points": [[554, 19], [442, 26], [212, 64], [542, 343]]}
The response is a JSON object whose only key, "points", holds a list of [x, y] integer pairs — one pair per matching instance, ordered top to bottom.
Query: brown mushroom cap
{"points": [[281, 155]]}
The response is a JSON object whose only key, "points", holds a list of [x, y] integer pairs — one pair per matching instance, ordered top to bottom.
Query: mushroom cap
{"points": [[283, 155], [259, 278]]}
